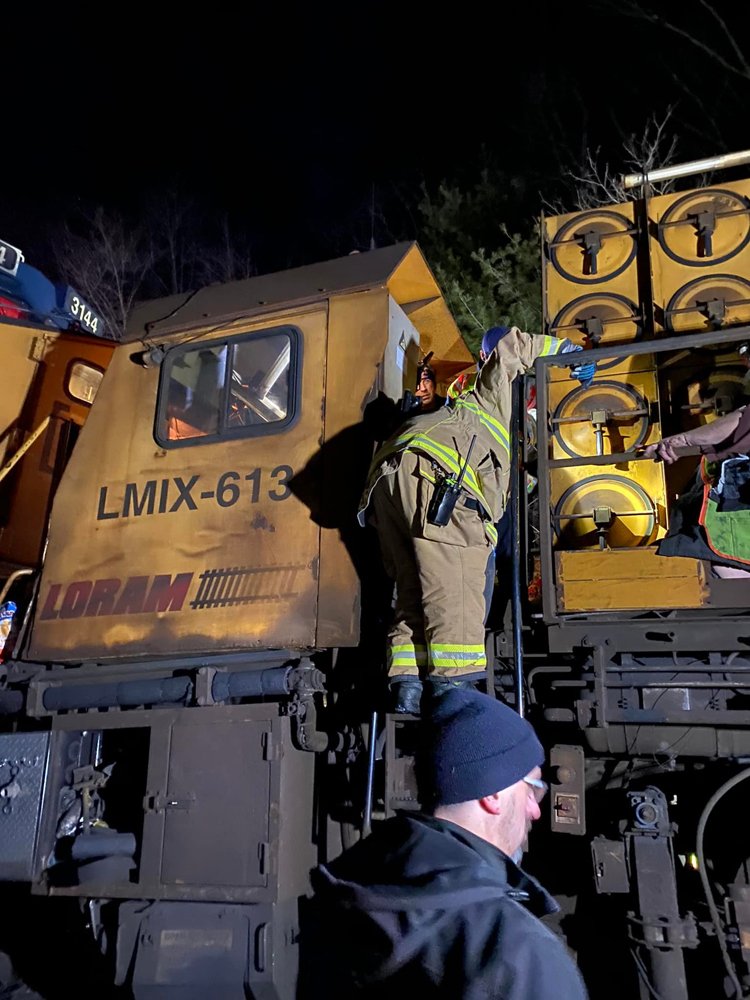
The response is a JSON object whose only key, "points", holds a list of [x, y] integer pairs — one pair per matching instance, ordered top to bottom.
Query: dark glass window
{"points": [[84, 381], [234, 388]]}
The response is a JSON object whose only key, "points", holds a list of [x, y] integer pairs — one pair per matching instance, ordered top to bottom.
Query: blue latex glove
{"points": [[584, 373]]}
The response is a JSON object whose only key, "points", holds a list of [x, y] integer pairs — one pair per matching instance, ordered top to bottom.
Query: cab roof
{"points": [[400, 268]]}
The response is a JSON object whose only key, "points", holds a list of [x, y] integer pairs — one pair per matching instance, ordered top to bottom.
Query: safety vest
{"points": [[464, 383], [483, 412], [727, 532]]}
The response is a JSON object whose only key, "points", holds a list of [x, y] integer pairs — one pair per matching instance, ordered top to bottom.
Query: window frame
{"points": [[69, 372], [231, 433]]}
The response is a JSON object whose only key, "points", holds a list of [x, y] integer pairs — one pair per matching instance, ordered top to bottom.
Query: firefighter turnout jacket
{"points": [[440, 571]]}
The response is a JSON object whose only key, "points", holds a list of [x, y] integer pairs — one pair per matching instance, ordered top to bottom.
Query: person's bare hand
{"points": [[665, 450]]}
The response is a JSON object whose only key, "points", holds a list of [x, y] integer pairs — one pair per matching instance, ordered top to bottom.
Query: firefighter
{"points": [[464, 383], [427, 391], [440, 571]]}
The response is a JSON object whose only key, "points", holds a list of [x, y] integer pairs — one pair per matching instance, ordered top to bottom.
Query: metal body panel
{"points": [[699, 236], [400, 268], [572, 271], [262, 294], [357, 338], [402, 353], [39, 365], [19, 368], [550, 469], [242, 520], [216, 545], [629, 579], [23, 771], [568, 789], [228, 809], [218, 830], [193, 950]]}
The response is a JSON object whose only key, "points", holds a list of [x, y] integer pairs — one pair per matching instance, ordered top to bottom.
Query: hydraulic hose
{"points": [[716, 797]]}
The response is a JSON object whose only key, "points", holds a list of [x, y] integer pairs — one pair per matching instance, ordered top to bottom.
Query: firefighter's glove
{"points": [[584, 373]]}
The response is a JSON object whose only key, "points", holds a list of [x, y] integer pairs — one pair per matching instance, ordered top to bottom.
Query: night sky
{"points": [[293, 121]]}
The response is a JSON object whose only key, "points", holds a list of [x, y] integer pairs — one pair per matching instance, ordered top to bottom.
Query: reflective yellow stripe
{"points": [[551, 345], [462, 384], [494, 426], [446, 456], [489, 527], [455, 648], [407, 655], [456, 655], [452, 660]]}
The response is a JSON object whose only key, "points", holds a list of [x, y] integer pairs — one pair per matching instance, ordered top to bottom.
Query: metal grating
{"points": [[23, 768]]}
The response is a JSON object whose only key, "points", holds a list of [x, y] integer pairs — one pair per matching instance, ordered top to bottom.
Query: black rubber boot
{"points": [[406, 693]]}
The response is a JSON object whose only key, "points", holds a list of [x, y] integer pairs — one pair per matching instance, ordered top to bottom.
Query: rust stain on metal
{"points": [[261, 522]]}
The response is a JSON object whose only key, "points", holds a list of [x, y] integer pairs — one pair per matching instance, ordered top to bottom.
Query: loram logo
{"points": [[97, 598]]}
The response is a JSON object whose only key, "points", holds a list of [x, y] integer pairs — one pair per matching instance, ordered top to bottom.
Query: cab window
{"points": [[83, 382], [241, 387]]}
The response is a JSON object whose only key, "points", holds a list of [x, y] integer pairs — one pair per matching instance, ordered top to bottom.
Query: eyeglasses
{"points": [[538, 787]]}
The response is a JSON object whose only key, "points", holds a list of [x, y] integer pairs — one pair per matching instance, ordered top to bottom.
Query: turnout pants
{"points": [[439, 573]]}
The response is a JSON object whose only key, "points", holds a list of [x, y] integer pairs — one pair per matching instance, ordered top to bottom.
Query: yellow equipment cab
{"points": [[199, 581]]}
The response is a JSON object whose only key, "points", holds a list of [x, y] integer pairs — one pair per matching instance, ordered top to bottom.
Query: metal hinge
{"points": [[39, 347]]}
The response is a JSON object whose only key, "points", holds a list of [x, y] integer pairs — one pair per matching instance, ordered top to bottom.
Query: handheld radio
{"points": [[446, 494]]}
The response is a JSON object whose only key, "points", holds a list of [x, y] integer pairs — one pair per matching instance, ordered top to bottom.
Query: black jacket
{"points": [[421, 909]]}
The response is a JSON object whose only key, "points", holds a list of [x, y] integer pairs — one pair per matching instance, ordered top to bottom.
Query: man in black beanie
{"points": [[432, 904]]}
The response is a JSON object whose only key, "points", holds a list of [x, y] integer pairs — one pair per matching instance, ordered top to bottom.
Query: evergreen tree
{"points": [[490, 276]]}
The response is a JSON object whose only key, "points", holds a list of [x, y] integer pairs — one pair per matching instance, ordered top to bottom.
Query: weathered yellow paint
{"points": [[682, 261], [413, 286], [572, 291], [357, 333], [36, 366], [19, 368], [569, 398], [598, 488], [277, 538], [302, 546], [631, 579]]}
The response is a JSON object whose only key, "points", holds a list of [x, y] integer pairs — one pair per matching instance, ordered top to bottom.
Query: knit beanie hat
{"points": [[492, 338], [471, 746]]}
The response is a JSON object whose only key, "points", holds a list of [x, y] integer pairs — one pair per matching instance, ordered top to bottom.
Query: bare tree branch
{"points": [[637, 10], [730, 37], [595, 184], [171, 252], [467, 307]]}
